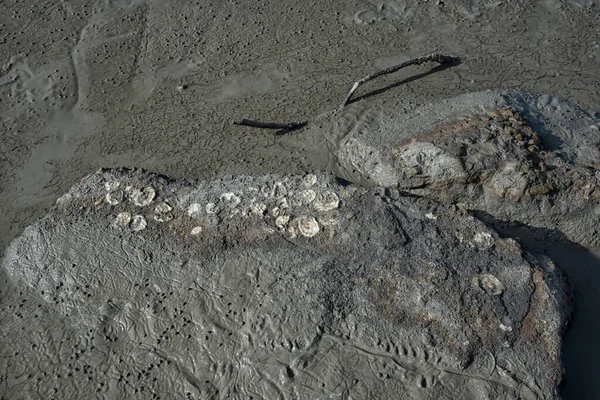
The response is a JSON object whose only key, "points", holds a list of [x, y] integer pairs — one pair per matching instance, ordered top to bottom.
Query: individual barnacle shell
{"points": [[309, 180], [111, 186], [279, 189], [308, 196], [142, 197], [113, 198], [230, 200], [326, 201], [282, 203], [211, 208], [258, 208], [195, 210], [162, 212], [123, 219], [329, 219], [282, 221], [138, 223], [308, 226], [196, 230], [483, 240], [489, 284]]}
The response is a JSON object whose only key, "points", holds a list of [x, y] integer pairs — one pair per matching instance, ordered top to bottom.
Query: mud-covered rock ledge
{"points": [[277, 286]]}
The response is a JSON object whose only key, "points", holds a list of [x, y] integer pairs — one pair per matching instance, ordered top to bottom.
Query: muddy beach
{"points": [[158, 85]]}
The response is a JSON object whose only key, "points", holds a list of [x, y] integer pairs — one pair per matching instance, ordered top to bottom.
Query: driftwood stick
{"points": [[439, 58], [271, 125]]}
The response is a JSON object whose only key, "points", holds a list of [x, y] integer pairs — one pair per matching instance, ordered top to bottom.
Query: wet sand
{"points": [[155, 85]]}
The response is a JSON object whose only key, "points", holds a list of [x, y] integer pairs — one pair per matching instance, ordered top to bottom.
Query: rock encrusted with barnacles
{"points": [[513, 155], [276, 287]]}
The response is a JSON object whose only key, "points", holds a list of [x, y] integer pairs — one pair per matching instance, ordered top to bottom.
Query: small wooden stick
{"points": [[436, 57], [271, 125]]}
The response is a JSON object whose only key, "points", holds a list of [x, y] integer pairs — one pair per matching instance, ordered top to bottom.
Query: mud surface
{"points": [[146, 83], [274, 287]]}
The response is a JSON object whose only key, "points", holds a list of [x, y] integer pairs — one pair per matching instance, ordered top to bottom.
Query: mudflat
{"points": [[158, 84]]}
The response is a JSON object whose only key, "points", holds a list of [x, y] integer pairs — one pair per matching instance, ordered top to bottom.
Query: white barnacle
{"points": [[309, 180], [111, 186], [279, 189], [308, 196], [114, 197], [142, 197], [230, 199], [328, 200], [282, 203], [162, 208], [211, 208], [258, 208], [194, 210], [162, 212], [122, 219], [329, 219], [282, 221], [138, 223], [308, 226], [196, 230], [483, 240], [489, 284]]}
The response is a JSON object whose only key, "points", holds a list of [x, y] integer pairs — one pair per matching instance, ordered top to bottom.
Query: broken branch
{"points": [[435, 57], [271, 125]]}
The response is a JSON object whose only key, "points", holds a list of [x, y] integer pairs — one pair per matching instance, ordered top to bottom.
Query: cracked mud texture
{"points": [[517, 156], [293, 287]]}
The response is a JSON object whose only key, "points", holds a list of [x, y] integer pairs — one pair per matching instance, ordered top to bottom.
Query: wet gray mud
{"points": [[154, 84], [274, 287]]}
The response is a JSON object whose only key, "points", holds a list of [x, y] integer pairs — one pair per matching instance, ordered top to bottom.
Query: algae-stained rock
{"points": [[517, 156], [267, 294]]}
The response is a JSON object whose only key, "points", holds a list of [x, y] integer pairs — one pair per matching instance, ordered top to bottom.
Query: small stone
{"points": [[143, 196], [430, 216], [123, 219], [138, 223], [308, 226], [196, 230]]}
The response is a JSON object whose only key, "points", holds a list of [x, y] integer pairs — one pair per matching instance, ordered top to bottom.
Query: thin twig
{"points": [[439, 58], [288, 126]]}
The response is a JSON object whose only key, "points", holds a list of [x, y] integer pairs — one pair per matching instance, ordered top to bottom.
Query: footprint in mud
{"points": [[388, 10]]}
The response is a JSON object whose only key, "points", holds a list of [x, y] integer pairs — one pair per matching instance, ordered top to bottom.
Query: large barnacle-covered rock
{"points": [[273, 287]]}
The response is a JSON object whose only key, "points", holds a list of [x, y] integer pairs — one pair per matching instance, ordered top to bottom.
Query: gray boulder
{"points": [[517, 156], [273, 287]]}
